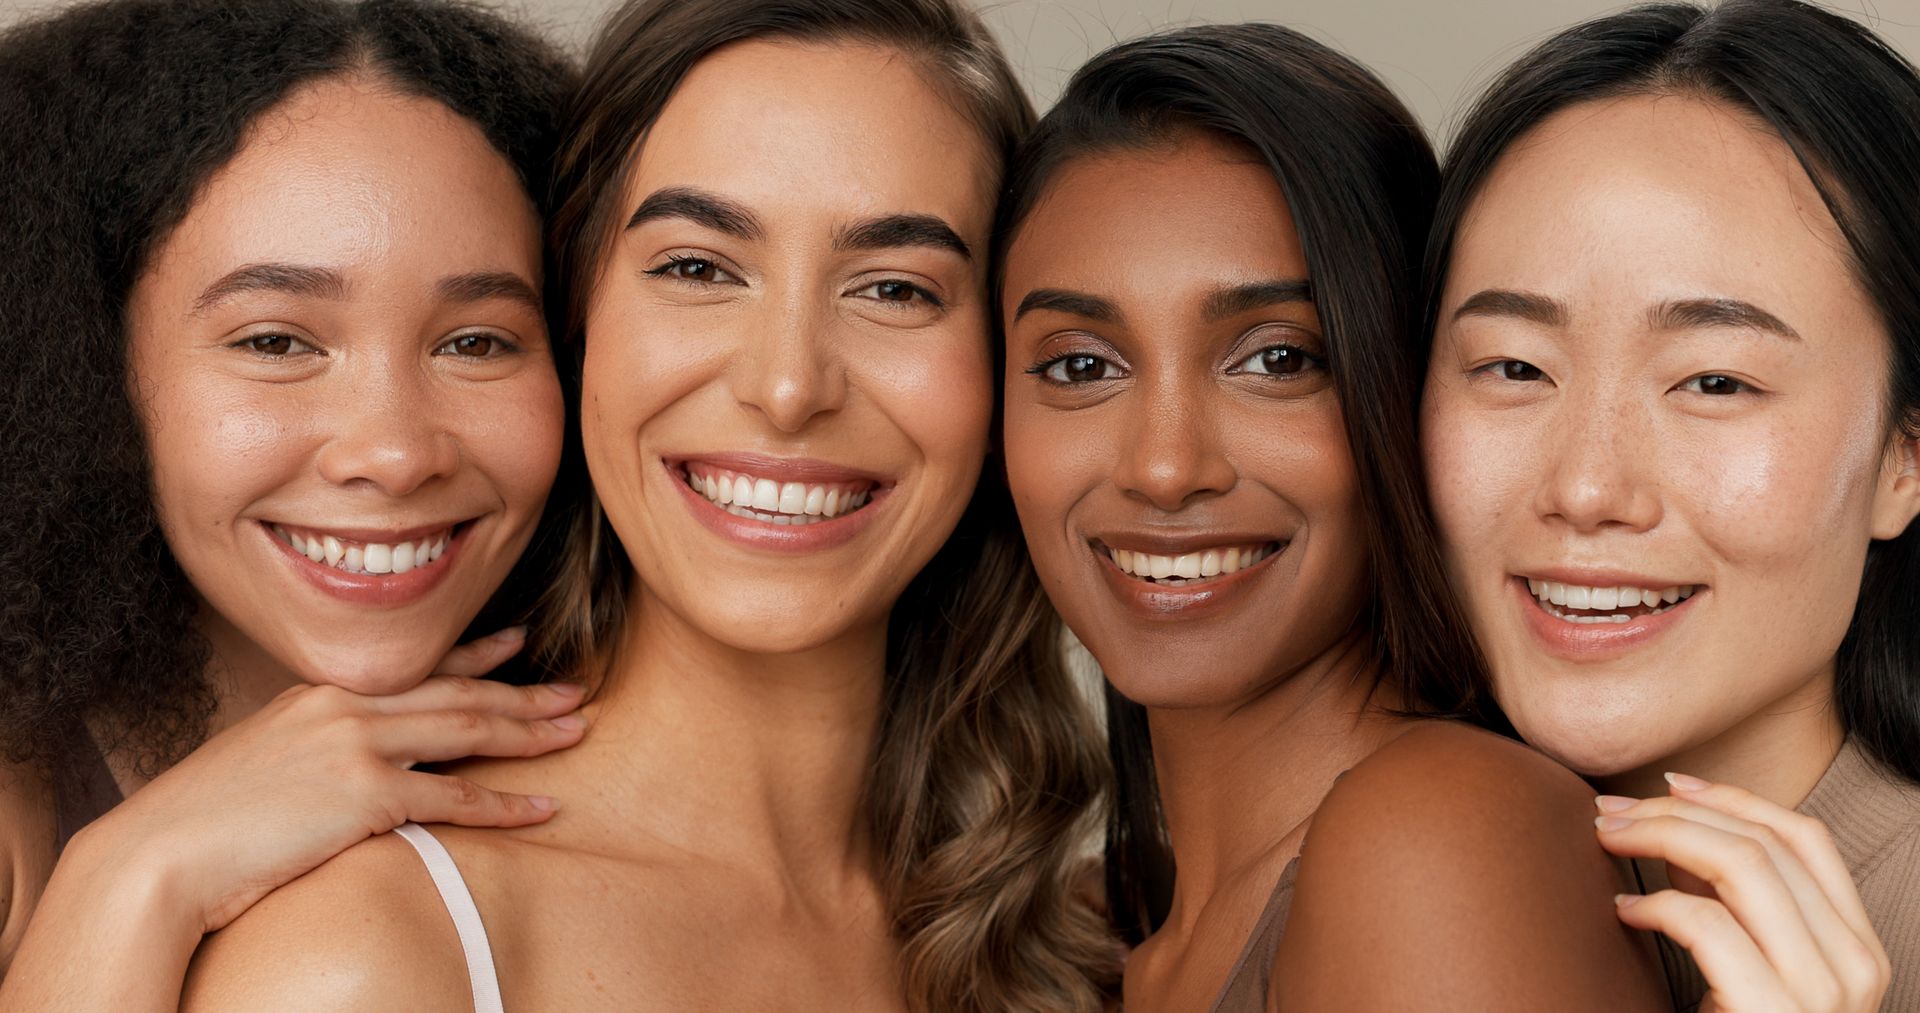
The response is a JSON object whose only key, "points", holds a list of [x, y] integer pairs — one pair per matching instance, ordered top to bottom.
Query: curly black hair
{"points": [[114, 114]]}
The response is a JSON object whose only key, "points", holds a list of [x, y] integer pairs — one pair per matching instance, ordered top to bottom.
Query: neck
{"points": [[1778, 753], [757, 757], [1237, 782]]}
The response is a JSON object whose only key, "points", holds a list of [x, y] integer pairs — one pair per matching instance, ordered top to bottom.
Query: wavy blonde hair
{"points": [[988, 765]]}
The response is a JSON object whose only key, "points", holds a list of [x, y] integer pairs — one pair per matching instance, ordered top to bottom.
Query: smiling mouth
{"points": [[763, 499], [375, 558], [1189, 568], [1574, 603]]}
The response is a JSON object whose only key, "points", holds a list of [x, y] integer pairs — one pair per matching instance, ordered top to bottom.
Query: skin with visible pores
{"points": [[342, 335], [1167, 392], [376, 399], [1657, 446], [710, 851]]}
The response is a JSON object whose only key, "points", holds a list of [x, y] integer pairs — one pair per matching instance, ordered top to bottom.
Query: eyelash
{"points": [[675, 262], [928, 297], [250, 345], [503, 347]]}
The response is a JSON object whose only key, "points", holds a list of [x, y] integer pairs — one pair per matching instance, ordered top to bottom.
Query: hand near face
{"points": [[1761, 899]]}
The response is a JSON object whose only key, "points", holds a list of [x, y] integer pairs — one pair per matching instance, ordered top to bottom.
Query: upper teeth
{"points": [[764, 499], [365, 557], [1191, 565], [1579, 597]]}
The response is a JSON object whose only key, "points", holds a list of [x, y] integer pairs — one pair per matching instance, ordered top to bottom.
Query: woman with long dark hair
{"points": [[1209, 292], [281, 418], [1670, 424], [835, 760]]}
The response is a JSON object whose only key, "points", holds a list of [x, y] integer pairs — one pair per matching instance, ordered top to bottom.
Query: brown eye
{"points": [[698, 270], [273, 346], [477, 346], [1276, 360], [1077, 369], [1521, 372], [1715, 385]]}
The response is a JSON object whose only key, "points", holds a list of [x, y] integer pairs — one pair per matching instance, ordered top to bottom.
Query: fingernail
{"points": [[511, 633], [567, 688], [569, 722], [1685, 782], [541, 802], [1614, 803], [1612, 823], [1626, 899]]}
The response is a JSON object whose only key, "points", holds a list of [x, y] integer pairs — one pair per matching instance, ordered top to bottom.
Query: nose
{"points": [[791, 371], [386, 430], [1172, 454], [1600, 474]]}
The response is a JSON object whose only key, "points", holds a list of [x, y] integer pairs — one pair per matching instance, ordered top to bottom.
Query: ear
{"points": [[1896, 500]]}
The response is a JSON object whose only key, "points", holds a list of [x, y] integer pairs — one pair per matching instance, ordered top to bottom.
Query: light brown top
{"points": [[1874, 817], [1246, 987]]}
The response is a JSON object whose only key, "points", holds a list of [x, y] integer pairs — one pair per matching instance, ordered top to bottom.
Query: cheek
{"points": [[940, 395], [513, 432], [214, 450]]}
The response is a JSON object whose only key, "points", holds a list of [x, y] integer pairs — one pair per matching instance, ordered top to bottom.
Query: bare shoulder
{"points": [[28, 851], [1455, 869], [367, 930]]}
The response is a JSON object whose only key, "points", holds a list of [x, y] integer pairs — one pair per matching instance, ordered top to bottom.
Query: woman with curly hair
{"points": [[281, 417], [836, 762]]}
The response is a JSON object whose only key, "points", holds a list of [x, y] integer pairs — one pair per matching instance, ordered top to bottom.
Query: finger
{"points": [[478, 657], [454, 692], [437, 736], [440, 798], [1806, 836], [1747, 883], [1855, 961], [1740, 975]]}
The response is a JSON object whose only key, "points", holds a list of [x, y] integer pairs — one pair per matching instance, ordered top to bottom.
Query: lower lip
{"points": [[783, 538], [382, 590], [1188, 601], [1595, 641]]}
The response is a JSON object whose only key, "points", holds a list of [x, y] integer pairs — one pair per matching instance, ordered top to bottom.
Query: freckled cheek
{"points": [[512, 431], [216, 450], [1482, 474]]}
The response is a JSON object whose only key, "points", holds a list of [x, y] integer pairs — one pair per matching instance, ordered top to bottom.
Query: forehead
{"points": [[820, 130], [347, 172], [1662, 193], [1195, 206]]}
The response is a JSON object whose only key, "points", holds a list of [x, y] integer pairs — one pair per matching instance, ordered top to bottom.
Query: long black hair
{"points": [[1849, 107], [114, 115], [1360, 180]]}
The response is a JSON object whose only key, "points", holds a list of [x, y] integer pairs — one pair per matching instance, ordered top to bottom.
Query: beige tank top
{"points": [[1246, 987]]}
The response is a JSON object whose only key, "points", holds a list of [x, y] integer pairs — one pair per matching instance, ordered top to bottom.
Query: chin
{"points": [[370, 670], [1590, 744]]}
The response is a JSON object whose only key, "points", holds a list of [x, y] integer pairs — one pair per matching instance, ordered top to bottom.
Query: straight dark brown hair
{"points": [[1360, 180], [987, 765]]}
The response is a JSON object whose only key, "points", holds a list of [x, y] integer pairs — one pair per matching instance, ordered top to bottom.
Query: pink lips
{"points": [[817, 534], [384, 590], [1601, 641]]}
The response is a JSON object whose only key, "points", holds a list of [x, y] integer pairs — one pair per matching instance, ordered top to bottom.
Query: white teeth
{"points": [[787, 503], [374, 558], [1186, 566], [1552, 593]]}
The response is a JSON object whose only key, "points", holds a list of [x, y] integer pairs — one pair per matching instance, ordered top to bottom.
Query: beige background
{"points": [[1434, 52]]}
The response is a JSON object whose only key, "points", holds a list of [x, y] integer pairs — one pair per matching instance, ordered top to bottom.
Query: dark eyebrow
{"points": [[699, 207], [891, 231], [315, 282], [479, 286], [1237, 299], [1496, 302], [1077, 304], [1685, 314]]}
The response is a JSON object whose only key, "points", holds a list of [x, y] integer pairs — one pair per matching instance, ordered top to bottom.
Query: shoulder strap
{"points": [[466, 917]]}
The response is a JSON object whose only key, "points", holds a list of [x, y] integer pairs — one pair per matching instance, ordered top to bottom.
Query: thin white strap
{"points": [[466, 917]]}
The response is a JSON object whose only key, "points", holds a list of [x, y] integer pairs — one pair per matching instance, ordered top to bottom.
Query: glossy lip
{"points": [[780, 538], [381, 590], [1157, 602], [1589, 642]]}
